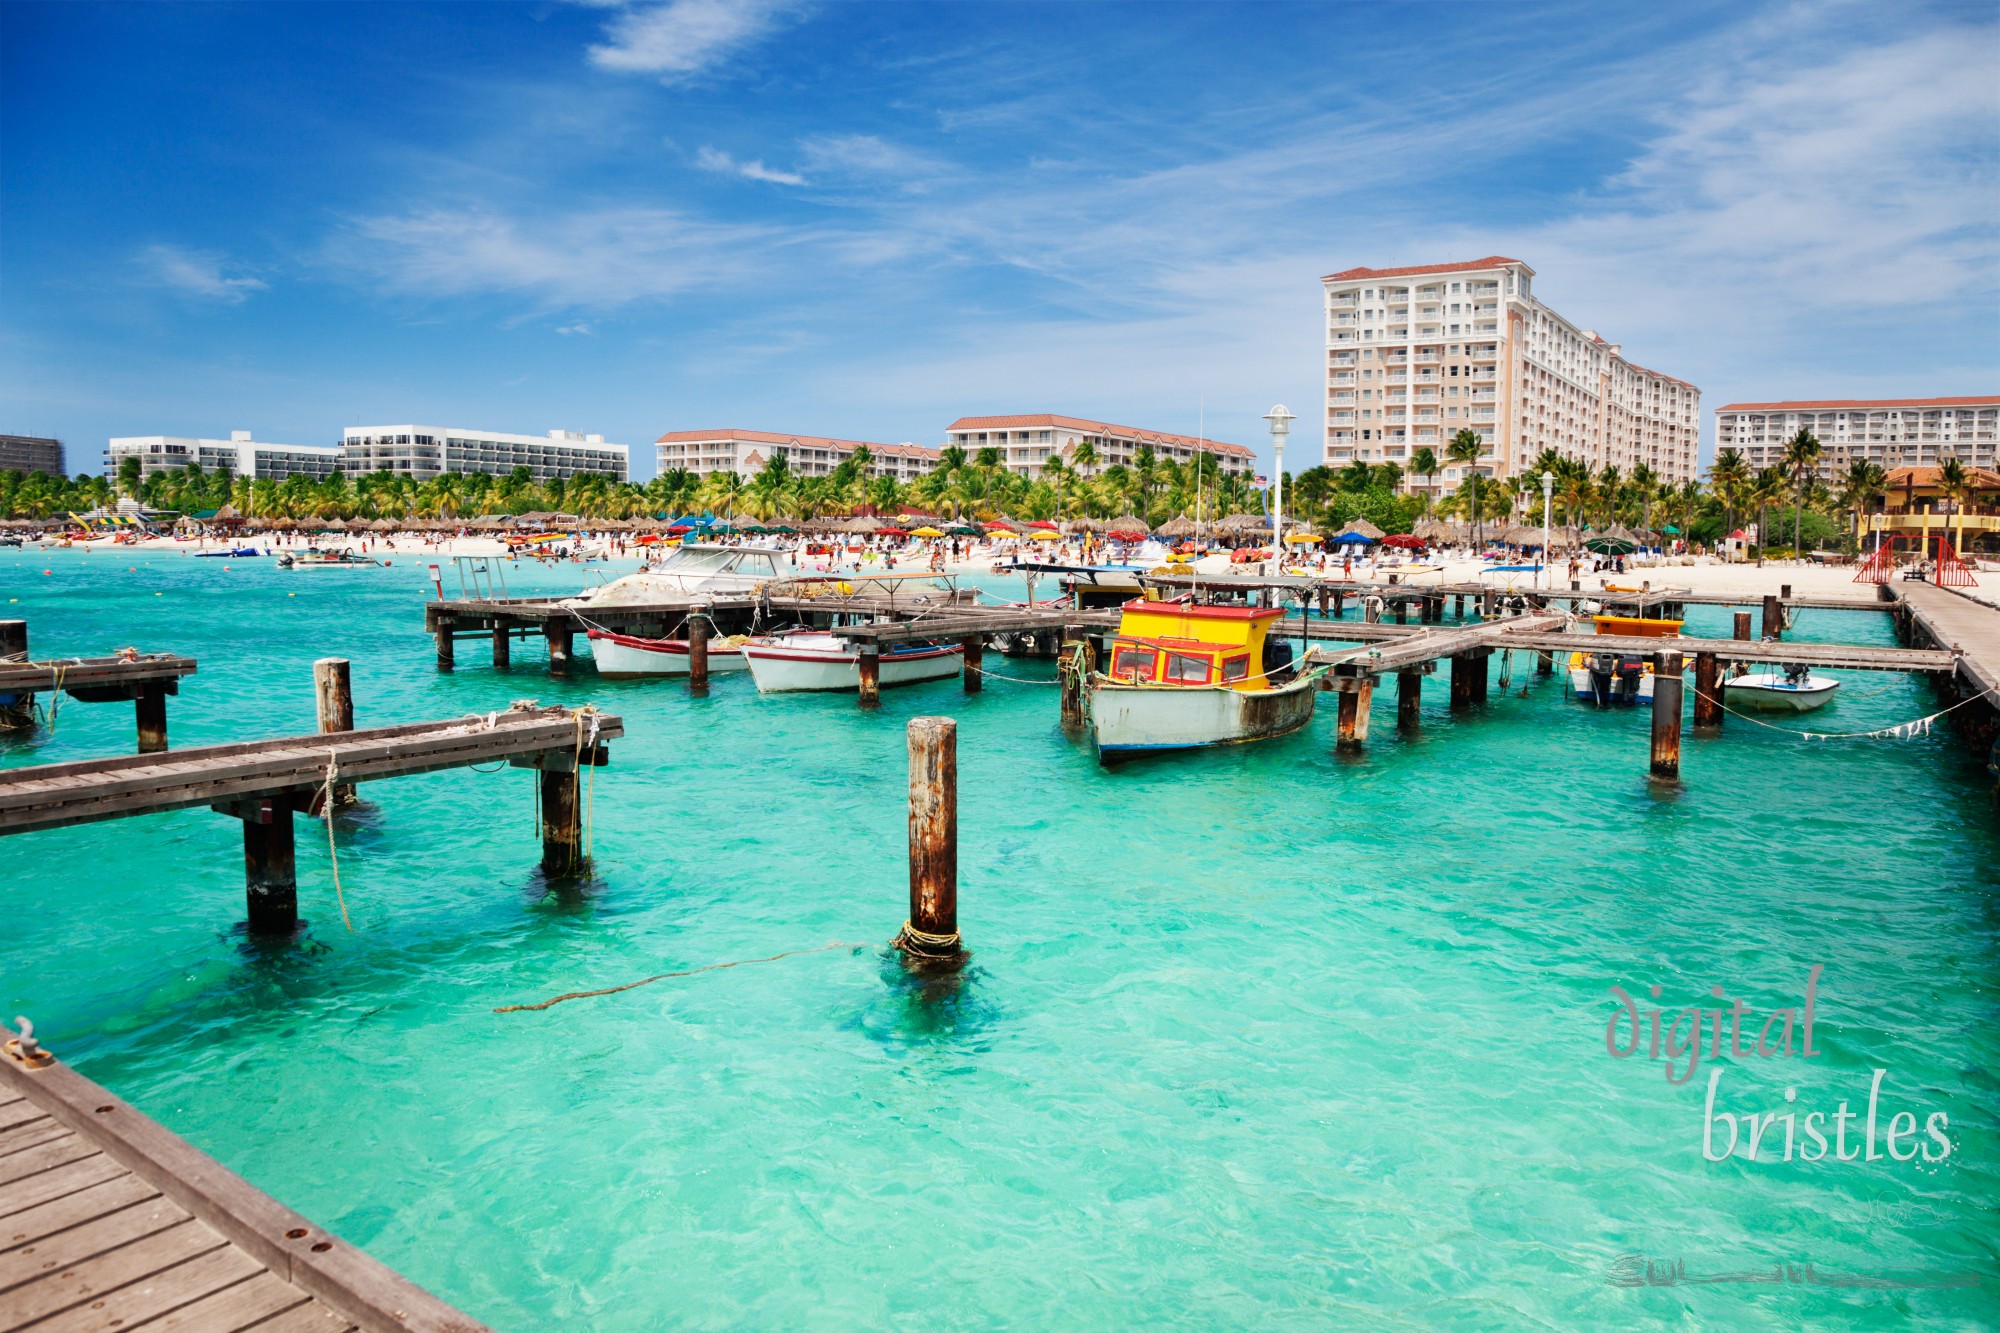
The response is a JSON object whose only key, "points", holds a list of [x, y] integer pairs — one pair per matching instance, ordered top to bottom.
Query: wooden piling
{"points": [[1785, 591], [1325, 601], [1339, 605], [1458, 606], [1774, 619], [1743, 626], [697, 631], [560, 637], [13, 640], [503, 647], [446, 659], [1545, 662], [1476, 667], [1071, 668], [974, 670], [871, 675], [1461, 680], [1707, 692], [334, 694], [1667, 697], [1409, 699], [149, 703], [1351, 731], [562, 822], [270, 869], [930, 935]]}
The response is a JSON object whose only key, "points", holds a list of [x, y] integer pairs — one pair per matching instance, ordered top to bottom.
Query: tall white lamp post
{"points": [[1281, 426], [1548, 495]]}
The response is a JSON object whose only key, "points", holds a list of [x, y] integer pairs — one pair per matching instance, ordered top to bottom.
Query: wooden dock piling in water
{"points": [[1774, 619], [697, 632], [974, 646], [1668, 686], [1707, 692], [334, 695], [1357, 695], [930, 937]]}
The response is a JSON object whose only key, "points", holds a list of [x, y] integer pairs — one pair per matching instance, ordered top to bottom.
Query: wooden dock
{"points": [[1957, 621], [144, 678], [264, 783], [109, 1221]]}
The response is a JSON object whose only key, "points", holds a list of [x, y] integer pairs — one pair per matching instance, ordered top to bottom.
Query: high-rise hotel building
{"points": [[1415, 355], [1890, 432], [422, 452]]}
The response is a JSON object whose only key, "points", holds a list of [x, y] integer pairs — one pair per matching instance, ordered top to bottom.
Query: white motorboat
{"points": [[313, 557], [690, 571], [628, 657], [817, 660], [1184, 676], [1793, 690]]}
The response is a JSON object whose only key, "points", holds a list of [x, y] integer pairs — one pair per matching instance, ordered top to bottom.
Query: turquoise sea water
{"points": [[1252, 1039]]}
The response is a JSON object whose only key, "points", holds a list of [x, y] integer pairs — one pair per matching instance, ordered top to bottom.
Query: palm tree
{"points": [[1465, 448], [1083, 457], [1802, 461], [1424, 462], [1144, 464], [1055, 471], [1728, 475], [1645, 484], [1956, 486], [1609, 487], [1858, 488], [1766, 489]]}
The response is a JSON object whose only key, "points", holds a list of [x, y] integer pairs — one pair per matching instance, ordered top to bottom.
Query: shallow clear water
{"points": [[1258, 1038]]}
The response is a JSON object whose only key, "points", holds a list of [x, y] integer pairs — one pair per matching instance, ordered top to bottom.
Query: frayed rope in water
{"points": [[663, 976]]}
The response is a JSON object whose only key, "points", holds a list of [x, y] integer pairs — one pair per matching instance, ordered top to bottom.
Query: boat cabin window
{"points": [[696, 561], [1132, 664], [1236, 668], [1186, 670]]}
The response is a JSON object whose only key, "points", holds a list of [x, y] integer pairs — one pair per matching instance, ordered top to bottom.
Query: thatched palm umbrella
{"points": [[1180, 525]]}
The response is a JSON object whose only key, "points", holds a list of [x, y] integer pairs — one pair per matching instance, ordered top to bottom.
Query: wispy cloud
{"points": [[682, 39], [872, 156], [714, 159], [195, 273], [575, 330]]}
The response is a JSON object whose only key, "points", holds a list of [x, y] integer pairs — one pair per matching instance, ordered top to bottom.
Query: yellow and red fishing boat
{"points": [[1619, 673], [1184, 676]]}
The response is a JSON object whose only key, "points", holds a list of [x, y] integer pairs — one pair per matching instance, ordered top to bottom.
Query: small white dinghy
{"points": [[628, 657], [815, 660], [1793, 690]]}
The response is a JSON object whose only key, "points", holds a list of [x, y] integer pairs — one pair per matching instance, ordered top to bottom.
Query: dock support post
{"points": [[1785, 591], [1325, 601], [1339, 605], [1458, 606], [1402, 610], [1774, 619], [1743, 626], [697, 627], [559, 634], [13, 640], [503, 647], [445, 658], [1545, 662], [1072, 668], [1476, 668], [974, 670], [871, 675], [1461, 680], [1667, 691], [1707, 692], [335, 697], [1409, 699], [149, 703], [1351, 730], [562, 822], [270, 870], [930, 935]]}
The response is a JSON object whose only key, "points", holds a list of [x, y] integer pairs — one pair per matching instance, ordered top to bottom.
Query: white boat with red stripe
{"points": [[629, 657], [816, 660]]}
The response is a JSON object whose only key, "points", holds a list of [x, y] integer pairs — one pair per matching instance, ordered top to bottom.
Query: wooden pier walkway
{"points": [[1955, 620], [144, 678], [109, 1221]]}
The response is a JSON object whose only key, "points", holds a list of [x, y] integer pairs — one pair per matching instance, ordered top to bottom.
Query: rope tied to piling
{"points": [[1902, 731], [326, 802], [923, 944]]}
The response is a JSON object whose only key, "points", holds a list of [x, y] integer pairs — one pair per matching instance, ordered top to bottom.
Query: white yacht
{"points": [[691, 571]]}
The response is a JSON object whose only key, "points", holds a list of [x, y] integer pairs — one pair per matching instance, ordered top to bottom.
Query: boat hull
{"points": [[626, 657], [784, 669], [1584, 684], [1769, 692], [1128, 720]]}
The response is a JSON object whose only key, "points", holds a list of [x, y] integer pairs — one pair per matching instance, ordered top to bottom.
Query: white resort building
{"points": [[1415, 355], [1891, 432], [1028, 442], [747, 451], [423, 452], [239, 455]]}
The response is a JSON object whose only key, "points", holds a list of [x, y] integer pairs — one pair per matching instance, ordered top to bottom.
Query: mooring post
{"points": [[1785, 590], [1325, 601], [1458, 606], [1402, 610], [1774, 619], [1743, 626], [697, 628], [560, 636], [13, 640], [503, 646], [445, 656], [1545, 662], [1476, 667], [1070, 668], [974, 670], [871, 675], [1461, 680], [1667, 690], [1707, 692], [334, 696], [1409, 699], [149, 704], [1351, 731], [562, 820], [270, 869], [930, 935]]}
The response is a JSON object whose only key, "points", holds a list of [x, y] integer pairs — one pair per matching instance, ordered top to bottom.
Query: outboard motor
{"points": [[1277, 660], [1603, 670], [1631, 671]]}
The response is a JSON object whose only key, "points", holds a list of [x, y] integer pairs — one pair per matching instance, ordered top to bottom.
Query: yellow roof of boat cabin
{"points": [[1212, 627]]}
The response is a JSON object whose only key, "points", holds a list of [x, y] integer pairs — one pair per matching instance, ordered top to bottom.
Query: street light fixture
{"points": [[1281, 426], [1548, 495]]}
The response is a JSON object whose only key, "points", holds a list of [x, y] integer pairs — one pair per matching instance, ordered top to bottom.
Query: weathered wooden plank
{"points": [[20, 1113], [28, 1135], [43, 1157], [24, 1194], [74, 1209], [51, 1254], [94, 1278], [157, 1293], [236, 1307], [312, 1317]]}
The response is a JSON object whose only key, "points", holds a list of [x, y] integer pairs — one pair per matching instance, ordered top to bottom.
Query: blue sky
{"points": [[868, 219]]}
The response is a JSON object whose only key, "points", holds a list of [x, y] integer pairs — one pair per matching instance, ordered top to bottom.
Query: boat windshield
{"points": [[700, 560]]}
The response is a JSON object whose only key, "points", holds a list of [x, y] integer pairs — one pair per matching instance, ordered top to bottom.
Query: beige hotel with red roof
{"points": [[1415, 355], [1889, 432], [1026, 443], [747, 451]]}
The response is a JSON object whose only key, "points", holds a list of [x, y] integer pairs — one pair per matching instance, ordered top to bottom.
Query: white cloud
{"points": [[682, 39], [869, 155], [714, 159], [195, 273], [575, 330]]}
